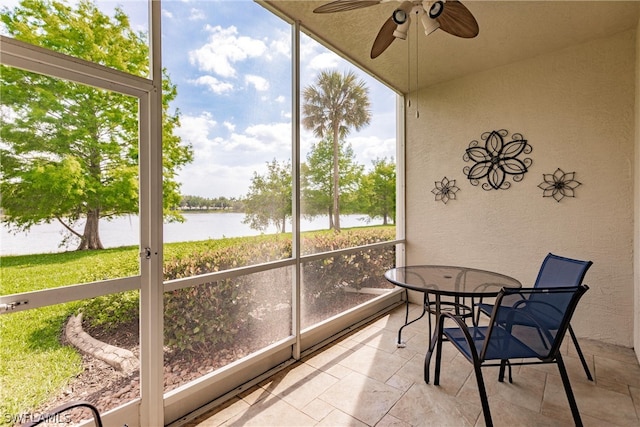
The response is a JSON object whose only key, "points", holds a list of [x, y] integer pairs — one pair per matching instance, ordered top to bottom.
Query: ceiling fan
{"points": [[450, 16]]}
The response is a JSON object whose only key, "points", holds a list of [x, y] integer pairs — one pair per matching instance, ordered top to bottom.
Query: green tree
{"points": [[333, 105], [69, 151], [317, 179], [377, 195], [269, 200]]}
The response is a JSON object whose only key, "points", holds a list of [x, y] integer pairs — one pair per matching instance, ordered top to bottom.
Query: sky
{"points": [[231, 62]]}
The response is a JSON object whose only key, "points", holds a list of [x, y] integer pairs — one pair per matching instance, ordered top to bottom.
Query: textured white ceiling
{"points": [[509, 31]]}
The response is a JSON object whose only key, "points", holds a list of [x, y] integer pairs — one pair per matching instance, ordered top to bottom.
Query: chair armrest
{"points": [[519, 310], [465, 330]]}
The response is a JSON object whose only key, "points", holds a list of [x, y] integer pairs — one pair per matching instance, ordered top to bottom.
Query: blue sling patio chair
{"points": [[555, 271], [529, 331]]}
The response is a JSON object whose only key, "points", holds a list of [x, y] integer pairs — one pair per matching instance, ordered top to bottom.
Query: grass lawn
{"points": [[33, 364]]}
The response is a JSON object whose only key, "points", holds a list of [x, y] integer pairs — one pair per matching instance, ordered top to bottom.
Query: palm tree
{"points": [[333, 105]]}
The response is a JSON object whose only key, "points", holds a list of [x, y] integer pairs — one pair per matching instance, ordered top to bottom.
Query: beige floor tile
{"points": [[396, 319], [363, 335], [383, 340], [418, 343], [610, 351], [328, 357], [375, 364], [573, 365], [413, 370], [339, 371], [617, 371], [453, 373], [401, 383], [299, 386], [254, 394], [635, 395], [362, 397], [593, 401], [425, 404], [317, 409], [271, 411], [222, 414], [507, 414], [339, 418], [391, 421]]}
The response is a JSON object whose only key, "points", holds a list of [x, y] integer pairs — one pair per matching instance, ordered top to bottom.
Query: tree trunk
{"points": [[336, 178], [330, 219], [91, 237]]}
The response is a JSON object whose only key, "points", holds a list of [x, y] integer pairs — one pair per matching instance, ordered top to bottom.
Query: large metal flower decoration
{"points": [[496, 160], [559, 184], [445, 190]]}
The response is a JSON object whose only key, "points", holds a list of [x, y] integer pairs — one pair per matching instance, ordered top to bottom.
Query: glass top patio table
{"points": [[450, 281]]}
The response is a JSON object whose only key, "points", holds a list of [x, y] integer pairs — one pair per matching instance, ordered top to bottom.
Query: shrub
{"points": [[325, 280], [201, 317]]}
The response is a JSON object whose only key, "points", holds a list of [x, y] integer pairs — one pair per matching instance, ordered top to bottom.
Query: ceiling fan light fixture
{"points": [[436, 9], [400, 16], [402, 20], [429, 24]]}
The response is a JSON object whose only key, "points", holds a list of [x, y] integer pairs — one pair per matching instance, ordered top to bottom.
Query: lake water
{"points": [[124, 231]]}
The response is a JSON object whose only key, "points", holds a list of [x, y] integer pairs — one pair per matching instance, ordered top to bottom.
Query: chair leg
{"points": [[579, 350], [504, 364], [436, 375], [567, 388], [483, 395]]}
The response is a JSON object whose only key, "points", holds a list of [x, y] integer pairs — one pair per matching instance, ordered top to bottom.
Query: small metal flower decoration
{"points": [[496, 160], [559, 185], [445, 190]]}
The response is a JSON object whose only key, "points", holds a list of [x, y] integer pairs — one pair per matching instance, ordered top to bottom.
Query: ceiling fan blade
{"points": [[345, 5], [457, 20], [384, 38]]}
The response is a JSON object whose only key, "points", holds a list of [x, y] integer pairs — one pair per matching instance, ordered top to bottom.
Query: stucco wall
{"points": [[576, 107]]}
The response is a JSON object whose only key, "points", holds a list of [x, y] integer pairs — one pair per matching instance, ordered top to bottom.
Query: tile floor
{"points": [[365, 380]]}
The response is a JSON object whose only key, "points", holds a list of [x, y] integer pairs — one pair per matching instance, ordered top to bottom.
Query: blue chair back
{"points": [[560, 271], [531, 325]]}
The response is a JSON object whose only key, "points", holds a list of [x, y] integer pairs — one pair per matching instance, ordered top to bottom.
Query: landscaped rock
{"points": [[121, 359]]}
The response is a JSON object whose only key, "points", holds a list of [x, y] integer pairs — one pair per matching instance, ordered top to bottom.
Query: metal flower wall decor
{"points": [[496, 160], [559, 185], [445, 190]]}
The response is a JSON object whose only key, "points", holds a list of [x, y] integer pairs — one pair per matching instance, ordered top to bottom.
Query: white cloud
{"points": [[167, 14], [196, 15], [281, 44], [225, 48], [323, 61], [259, 83], [214, 85], [280, 99], [195, 130], [263, 138], [370, 148], [223, 166]]}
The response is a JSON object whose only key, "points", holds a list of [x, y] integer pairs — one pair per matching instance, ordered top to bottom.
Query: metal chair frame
{"points": [[543, 281], [475, 343], [66, 407]]}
